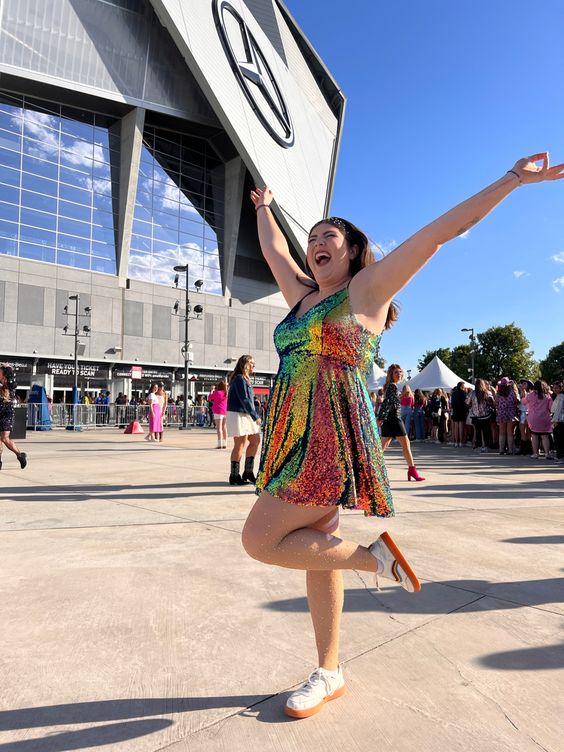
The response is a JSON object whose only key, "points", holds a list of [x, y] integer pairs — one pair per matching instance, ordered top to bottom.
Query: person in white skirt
{"points": [[242, 421]]}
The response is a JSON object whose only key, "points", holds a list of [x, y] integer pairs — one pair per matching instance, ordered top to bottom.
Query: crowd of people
{"points": [[511, 417]]}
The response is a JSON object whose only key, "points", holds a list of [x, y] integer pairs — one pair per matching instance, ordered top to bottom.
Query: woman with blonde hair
{"points": [[406, 411], [242, 421], [392, 426], [321, 449]]}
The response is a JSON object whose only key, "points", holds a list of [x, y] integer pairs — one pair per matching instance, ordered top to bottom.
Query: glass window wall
{"points": [[56, 184], [178, 215]]}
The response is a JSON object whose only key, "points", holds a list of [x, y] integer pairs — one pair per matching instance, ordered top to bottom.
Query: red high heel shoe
{"points": [[412, 473]]}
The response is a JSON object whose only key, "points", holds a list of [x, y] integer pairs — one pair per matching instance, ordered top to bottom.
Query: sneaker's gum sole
{"points": [[402, 561], [307, 712]]}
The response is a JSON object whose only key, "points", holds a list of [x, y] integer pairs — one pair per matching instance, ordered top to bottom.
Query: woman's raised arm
{"points": [[275, 250], [378, 283]]}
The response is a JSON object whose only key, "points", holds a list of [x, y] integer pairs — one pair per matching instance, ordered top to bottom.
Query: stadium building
{"points": [[131, 132]]}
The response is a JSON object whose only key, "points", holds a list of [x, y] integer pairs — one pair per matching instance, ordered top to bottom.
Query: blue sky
{"points": [[442, 98]]}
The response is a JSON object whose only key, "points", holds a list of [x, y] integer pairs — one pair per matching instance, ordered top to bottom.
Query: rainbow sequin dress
{"points": [[321, 444]]}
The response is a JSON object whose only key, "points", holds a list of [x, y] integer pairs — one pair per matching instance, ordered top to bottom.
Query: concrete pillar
{"points": [[131, 139], [234, 186]]}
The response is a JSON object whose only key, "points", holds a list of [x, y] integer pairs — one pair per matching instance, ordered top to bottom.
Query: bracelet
{"points": [[516, 175], [258, 206]]}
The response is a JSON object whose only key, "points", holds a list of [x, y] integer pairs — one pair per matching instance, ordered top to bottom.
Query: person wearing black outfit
{"points": [[7, 397], [459, 414], [242, 421], [392, 426]]}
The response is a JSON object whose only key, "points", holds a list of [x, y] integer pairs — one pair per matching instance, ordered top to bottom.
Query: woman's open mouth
{"points": [[321, 258]]}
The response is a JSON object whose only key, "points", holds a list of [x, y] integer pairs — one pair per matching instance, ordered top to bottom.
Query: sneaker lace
{"points": [[314, 679]]}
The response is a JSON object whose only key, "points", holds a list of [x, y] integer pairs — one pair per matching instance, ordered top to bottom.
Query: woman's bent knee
{"points": [[255, 545]]}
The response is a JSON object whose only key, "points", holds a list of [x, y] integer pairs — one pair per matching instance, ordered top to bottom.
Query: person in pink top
{"points": [[218, 398], [406, 410], [539, 418]]}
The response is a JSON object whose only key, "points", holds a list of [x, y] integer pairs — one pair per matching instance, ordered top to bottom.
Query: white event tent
{"points": [[436, 375], [376, 379]]}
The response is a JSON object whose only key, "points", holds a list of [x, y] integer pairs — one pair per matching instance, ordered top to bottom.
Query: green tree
{"points": [[503, 351], [444, 354], [379, 360], [461, 361], [552, 367]]}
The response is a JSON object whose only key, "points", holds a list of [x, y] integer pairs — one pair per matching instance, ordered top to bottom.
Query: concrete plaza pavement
{"points": [[133, 621]]}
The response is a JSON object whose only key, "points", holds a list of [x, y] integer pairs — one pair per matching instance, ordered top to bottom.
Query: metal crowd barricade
{"points": [[100, 416]]}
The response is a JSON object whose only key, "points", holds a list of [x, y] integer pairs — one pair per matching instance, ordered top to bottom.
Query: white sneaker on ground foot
{"points": [[392, 564], [321, 687]]}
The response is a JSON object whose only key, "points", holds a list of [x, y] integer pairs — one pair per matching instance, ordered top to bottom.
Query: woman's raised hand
{"points": [[529, 172], [262, 196]]}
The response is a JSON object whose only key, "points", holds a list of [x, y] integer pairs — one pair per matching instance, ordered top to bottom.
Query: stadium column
{"points": [[131, 139], [234, 186]]}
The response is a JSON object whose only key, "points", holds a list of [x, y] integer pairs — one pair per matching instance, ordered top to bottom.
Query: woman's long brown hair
{"points": [[240, 368]]}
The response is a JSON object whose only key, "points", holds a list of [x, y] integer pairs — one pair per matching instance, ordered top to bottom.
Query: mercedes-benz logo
{"points": [[253, 73]]}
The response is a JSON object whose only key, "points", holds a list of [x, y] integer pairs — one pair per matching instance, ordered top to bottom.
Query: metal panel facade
{"points": [[298, 174]]}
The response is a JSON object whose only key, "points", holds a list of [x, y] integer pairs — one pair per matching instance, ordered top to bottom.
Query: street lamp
{"points": [[198, 310], [77, 344], [473, 345]]}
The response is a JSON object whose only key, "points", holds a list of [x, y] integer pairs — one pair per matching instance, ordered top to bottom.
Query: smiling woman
{"points": [[321, 448]]}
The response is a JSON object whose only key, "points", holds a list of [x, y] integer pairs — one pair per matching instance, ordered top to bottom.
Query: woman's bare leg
{"points": [[502, 437], [7, 441], [386, 441], [239, 443], [535, 443], [545, 444], [253, 445], [406, 448], [280, 533], [325, 596]]}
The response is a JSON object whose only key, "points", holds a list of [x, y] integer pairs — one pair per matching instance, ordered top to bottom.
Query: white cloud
{"points": [[558, 257], [518, 275], [558, 284]]}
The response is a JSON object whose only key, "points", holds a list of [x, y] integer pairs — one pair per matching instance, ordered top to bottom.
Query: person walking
{"points": [[218, 398], [7, 400], [506, 407], [539, 417], [242, 422], [392, 426], [321, 449]]}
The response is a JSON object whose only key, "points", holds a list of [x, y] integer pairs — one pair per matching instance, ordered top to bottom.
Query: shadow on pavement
{"points": [[536, 539], [433, 599], [545, 658], [115, 710]]}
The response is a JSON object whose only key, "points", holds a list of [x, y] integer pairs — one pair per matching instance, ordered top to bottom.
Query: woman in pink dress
{"points": [[218, 398], [155, 415], [539, 418]]}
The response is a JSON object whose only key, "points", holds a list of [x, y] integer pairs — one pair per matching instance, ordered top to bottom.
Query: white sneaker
{"points": [[392, 564], [321, 687]]}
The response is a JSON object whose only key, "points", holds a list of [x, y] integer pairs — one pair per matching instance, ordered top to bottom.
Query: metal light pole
{"points": [[76, 298], [198, 310], [77, 344], [473, 351]]}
